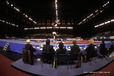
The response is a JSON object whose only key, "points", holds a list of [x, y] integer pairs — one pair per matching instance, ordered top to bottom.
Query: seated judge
{"points": [[29, 48], [47, 48], [61, 49], [103, 49], [111, 49], [91, 50], [75, 51], [48, 52], [61, 54]]}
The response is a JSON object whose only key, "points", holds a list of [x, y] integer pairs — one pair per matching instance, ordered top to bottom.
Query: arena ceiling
{"points": [[76, 10]]}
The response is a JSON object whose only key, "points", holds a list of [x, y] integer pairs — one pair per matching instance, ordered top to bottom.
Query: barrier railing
{"points": [[5, 47]]}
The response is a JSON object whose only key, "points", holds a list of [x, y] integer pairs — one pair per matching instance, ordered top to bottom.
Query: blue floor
{"points": [[40, 68]]}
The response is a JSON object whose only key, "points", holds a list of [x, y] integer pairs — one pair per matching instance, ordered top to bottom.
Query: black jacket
{"points": [[29, 47], [48, 49], [75, 49], [91, 50], [103, 50], [61, 51]]}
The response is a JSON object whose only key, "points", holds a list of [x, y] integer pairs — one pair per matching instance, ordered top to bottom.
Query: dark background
{"points": [[43, 10]]}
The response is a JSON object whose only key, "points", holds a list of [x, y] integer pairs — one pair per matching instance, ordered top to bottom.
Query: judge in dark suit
{"points": [[47, 48], [61, 49], [103, 49], [111, 49], [91, 50], [75, 51], [48, 52], [61, 54]]}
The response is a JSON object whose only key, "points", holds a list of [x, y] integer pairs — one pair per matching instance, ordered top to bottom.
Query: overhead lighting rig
{"points": [[19, 11], [95, 13], [104, 23], [12, 24]]}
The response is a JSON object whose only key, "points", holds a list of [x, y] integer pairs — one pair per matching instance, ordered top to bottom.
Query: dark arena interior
{"points": [[56, 38]]}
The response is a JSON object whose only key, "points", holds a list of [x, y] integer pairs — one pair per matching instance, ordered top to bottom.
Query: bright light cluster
{"points": [[12, 5], [104, 5], [56, 8], [18, 10], [56, 12], [96, 12], [104, 23], [12, 24], [36, 28]]}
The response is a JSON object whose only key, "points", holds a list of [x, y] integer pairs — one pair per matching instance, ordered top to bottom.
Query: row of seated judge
{"points": [[48, 53], [75, 53]]}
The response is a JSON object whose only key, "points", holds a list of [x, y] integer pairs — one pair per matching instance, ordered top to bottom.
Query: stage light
{"points": [[7, 2], [106, 4], [11, 5], [56, 6], [17, 9], [96, 11], [101, 11], [91, 14], [26, 16], [30, 19], [112, 20], [3, 21], [34, 22], [107, 22], [7, 23], [13, 24], [101, 24], [16, 25], [96, 26], [42, 27], [49, 27], [57, 27], [62, 27], [69, 27], [25, 28], [36, 28]]}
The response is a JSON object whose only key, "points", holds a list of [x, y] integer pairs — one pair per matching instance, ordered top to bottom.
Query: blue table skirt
{"points": [[18, 47]]}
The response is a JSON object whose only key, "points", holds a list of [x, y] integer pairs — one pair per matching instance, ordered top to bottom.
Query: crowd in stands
{"points": [[48, 53]]}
